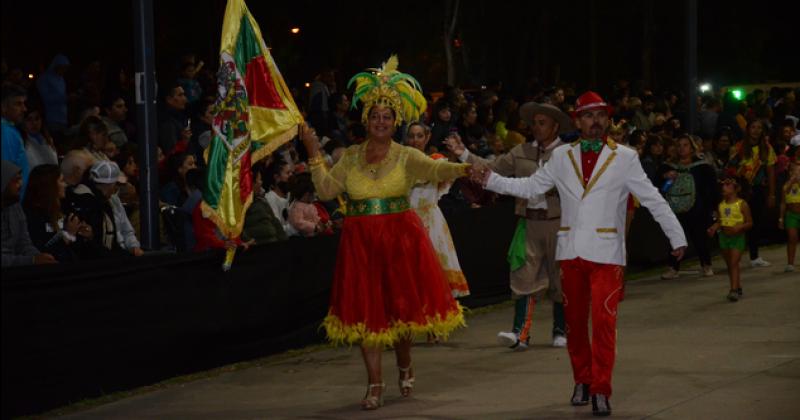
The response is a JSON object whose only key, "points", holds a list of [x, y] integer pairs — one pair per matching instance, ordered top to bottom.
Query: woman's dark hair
{"points": [[109, 99], [336, 99], [438, 106], [90, 124], [724, 131], [653, 139], [763, 147], [126, 152], [174, 163], [272, 170], [300, 185], [41, 194]]}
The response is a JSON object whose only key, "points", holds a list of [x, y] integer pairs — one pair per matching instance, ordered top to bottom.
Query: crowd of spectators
{"points": [[70, 161]]}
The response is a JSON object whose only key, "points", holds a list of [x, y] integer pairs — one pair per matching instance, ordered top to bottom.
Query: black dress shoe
{"points": [[581, 394], [601, 406]]}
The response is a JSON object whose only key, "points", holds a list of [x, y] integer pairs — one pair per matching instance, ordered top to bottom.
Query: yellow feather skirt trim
{"points": [[339, 333]]}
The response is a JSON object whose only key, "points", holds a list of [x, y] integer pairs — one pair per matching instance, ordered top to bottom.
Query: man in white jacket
{"points": [[593, 176]]}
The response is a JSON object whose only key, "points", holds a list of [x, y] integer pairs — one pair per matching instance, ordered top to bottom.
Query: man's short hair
{"points": [[11, 90]]}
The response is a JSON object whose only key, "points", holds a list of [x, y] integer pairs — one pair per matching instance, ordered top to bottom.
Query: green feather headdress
{"points": [[390, 88]]}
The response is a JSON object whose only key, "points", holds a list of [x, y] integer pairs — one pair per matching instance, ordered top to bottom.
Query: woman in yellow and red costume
{"points": [[388, 283]]}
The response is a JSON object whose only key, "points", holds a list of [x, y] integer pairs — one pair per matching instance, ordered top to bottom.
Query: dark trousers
{"points": [[694, 224], [523, 317]]}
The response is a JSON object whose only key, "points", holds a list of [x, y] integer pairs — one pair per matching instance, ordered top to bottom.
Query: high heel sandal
{"points": [[406, 381], [372, 402]]}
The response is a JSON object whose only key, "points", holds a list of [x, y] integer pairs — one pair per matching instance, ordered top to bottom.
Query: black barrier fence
{"points": [[72, 332]]}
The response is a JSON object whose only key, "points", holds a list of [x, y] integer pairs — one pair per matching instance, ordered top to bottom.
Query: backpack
{"points": [[682, 195]]}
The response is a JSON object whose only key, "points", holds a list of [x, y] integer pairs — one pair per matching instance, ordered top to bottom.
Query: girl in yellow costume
{"points": [[388, 283]]}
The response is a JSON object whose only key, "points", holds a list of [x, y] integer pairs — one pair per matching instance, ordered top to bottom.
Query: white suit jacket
{"points": [[593, 215]]}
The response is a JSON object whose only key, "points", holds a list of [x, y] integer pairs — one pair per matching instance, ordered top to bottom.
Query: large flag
{"points": [[254, 114]]}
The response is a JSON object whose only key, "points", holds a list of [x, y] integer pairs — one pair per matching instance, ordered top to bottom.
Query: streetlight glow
{"points": [[295, 30], [30, 75], [308, 84], [705, 87]]}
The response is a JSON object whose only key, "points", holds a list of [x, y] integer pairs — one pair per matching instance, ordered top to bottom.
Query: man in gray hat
{"points": [[534, 270]]}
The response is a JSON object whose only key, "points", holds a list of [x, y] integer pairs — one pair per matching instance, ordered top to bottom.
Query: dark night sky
{"points": [[505, 40]]}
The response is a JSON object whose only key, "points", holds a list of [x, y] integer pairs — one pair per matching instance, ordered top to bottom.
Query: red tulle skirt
{"points": [[388, 283]]}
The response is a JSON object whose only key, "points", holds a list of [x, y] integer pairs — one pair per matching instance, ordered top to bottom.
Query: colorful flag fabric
{"points": [[254, 114]]}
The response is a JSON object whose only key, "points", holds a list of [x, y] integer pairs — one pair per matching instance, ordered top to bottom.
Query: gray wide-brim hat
{"points": [[529, 109]]}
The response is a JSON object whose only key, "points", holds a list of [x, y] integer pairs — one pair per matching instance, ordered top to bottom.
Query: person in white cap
{"points": [[593, 177], [95, 204]]}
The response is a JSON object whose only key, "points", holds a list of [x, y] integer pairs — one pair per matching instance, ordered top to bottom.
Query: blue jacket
{"points": [[14, 151]]}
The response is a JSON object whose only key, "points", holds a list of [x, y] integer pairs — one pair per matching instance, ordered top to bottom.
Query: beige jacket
{"points": [[521, 162]]}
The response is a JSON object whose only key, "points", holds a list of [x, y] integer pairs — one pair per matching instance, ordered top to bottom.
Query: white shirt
{"points": [[280, 207]]}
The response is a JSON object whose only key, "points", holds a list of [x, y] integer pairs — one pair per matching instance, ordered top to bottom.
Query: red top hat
{"points": [[589, 101]]}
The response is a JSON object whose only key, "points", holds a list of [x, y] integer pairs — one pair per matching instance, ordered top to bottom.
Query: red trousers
{"points": [[597, 286]]}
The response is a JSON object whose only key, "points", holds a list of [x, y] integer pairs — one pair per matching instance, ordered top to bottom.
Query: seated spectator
{"points": [[191, 87], [13, 110], [116, 112], [338, 120], [442, 125], [515, 127], [174, 131], [201, 131], [93, 137], [39, 145], [334, 150], [75, 168], [276, 178], [194, 188], [175, 192], [128, 193], [95, 203], [303, 214], [260, 223], [50, 230], [18, 248]]}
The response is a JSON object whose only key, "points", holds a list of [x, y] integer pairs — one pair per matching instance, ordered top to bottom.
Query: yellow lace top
{"points": [[394, 176], [792, 193], [730, 214]]}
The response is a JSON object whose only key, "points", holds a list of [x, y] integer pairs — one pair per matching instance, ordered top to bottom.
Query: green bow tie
{"points": [[593, 145]]}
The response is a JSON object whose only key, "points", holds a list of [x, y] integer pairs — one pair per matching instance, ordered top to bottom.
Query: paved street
{"points": [[684, 352]]}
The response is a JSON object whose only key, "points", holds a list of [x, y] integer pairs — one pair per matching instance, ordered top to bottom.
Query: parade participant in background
{"points": [[754, 160], [593, 177], [690, 186], [424, 199], [790, 213], [734, 220], [532, 254], [388, 284]]}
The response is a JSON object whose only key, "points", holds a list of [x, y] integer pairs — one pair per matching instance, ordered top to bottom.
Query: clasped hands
{"points": [[479, 173]]}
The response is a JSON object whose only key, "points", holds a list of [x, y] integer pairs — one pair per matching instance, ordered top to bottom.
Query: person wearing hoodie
{"points": [[53, 90], [17, 246]]}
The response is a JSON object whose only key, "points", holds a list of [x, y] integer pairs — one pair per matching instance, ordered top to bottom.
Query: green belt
{"points": [[375, 206]]}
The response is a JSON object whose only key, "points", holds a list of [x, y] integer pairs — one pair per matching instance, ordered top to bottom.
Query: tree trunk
{"points": [[450, 20], [647, 45]]}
